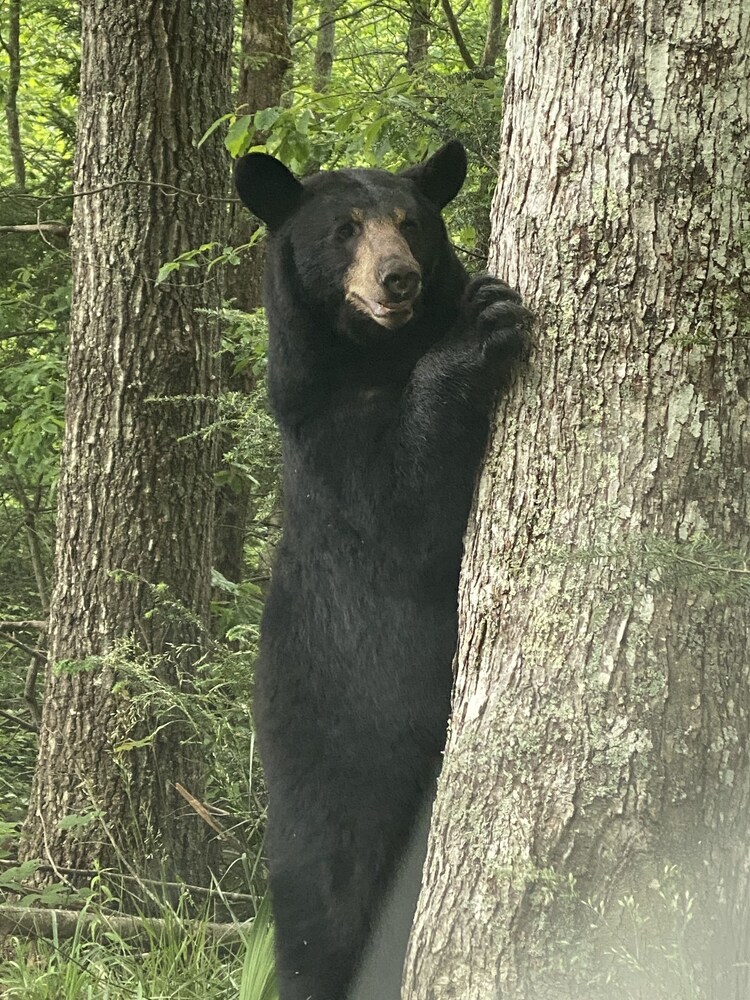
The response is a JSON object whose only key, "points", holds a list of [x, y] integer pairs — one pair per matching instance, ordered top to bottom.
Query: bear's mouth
{"points": [[391, 315]]}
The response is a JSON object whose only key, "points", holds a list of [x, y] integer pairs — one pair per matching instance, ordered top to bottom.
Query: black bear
{"points": [[384, 358]]}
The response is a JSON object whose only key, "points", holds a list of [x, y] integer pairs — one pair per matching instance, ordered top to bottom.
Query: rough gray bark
{"points": [[135, 505], [590, 838]]}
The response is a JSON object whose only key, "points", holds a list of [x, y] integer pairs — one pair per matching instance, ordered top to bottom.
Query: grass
{"points": [[181, 962]]}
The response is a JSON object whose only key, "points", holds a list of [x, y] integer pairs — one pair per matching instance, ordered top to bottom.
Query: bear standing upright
{"points": [[384, 359]]}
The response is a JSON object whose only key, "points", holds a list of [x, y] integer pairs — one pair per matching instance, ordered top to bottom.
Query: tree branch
{"points": [[350, 14], [458, 38], [168, 189], [53, 228], [12, 334], [31, 510], [24, 625], [37, 654], [29, 690], [21, 723], [121, 877], [28, 922]]}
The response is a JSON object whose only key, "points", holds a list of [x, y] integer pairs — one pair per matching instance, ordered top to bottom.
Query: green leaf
{"points": [[266, 118], [212, 128], [238, 137], [165, 270], [77, 821], [12, 877]]}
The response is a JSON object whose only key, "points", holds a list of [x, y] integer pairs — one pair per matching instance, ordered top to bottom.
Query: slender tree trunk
{"points": [[418, 37], [492, 38], [324, 44], [13, 48], [266, 53], [264, 60], [31, 507], [135, 507], [590, 837]]}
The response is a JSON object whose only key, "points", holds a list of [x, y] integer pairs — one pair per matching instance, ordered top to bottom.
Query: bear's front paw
{"points": [[493, 314]]}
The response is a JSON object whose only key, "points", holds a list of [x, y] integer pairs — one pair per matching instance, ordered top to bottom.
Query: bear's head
{"points": [[365, 244]]}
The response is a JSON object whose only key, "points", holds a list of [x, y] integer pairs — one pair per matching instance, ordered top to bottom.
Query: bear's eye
{"points": [[409, 226], [345, 231]]}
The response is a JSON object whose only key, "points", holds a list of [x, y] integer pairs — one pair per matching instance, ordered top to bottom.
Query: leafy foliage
{"points": [[375, 112]]}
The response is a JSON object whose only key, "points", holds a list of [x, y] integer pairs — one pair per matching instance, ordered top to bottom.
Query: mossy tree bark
{"points": [[136, 494], [590, 837]]}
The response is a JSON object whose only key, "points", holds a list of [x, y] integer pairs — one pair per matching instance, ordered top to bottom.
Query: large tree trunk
{"points": [[135, 507], [590, 836]]}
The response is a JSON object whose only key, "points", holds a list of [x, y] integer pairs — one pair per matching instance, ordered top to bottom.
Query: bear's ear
{"points": [[441, 177], [267, 188]]}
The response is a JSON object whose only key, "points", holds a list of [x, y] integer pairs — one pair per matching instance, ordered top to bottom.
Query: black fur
{"points": [[383, 432]]}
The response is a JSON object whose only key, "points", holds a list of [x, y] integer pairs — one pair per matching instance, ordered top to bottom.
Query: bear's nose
{"points": [[400, 279]]}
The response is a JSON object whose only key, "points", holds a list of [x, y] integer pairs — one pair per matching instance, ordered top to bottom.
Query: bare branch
{"points": [[350, 14], [458, 38], [168, 189], [53, 228], [12, 334], [31, 511], [23, 625], [36, 654], [29, 690], [21, 723], [198, 806], [206, 816], [118, 877], [66, 923]]}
